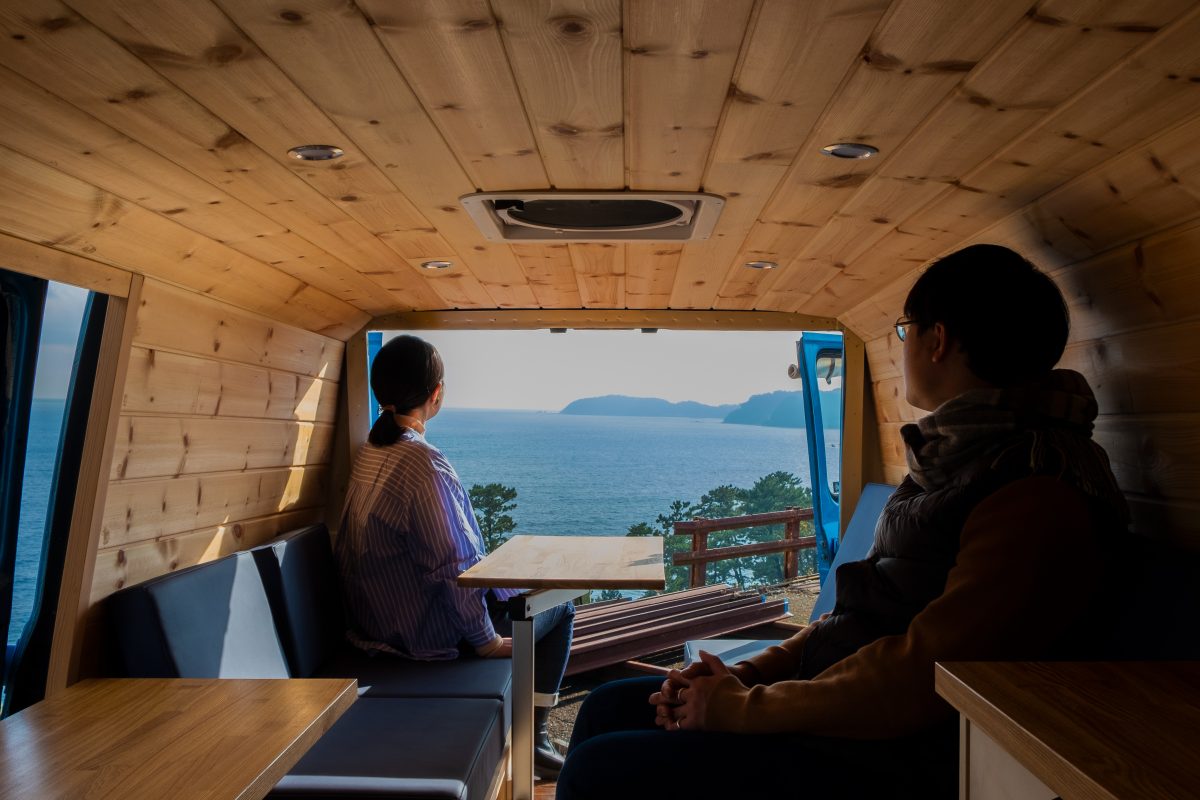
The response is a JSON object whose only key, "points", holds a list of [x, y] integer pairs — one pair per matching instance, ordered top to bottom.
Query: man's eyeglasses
{"points": [[902, 327]]}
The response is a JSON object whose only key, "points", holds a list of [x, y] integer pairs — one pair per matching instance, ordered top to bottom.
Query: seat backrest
{"points": [[855, 542], [300, 577], [207, 621]]}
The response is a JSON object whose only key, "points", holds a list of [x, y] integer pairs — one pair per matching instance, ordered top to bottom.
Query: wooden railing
{"points": [[700, 555]]}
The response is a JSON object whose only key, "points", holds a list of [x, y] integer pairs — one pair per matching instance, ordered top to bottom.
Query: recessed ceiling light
{"points": [[849, 150], [316, 152], [437, 264], [762, 264]]}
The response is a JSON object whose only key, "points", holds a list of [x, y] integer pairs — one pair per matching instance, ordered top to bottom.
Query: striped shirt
{"points": [[406, 533]]}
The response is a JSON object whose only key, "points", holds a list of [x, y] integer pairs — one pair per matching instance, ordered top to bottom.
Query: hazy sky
{"points": [[60, 335], [543, 370]]}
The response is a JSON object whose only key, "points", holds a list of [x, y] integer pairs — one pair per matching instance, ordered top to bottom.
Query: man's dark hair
{"points": [[1009, 318], [404, 375]]}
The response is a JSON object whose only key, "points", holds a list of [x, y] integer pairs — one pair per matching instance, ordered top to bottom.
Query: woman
{"points": [[408, 531], [993, 548]]}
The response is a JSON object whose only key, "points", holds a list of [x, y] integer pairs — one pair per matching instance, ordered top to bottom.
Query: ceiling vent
{"points": [[594, 216]]}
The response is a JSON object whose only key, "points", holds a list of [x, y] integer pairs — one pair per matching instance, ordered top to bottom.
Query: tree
{"points": [[775, 491], [492, 502]]}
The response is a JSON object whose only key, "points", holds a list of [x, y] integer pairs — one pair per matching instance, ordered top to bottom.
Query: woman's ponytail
{"points": [[386, 430]]}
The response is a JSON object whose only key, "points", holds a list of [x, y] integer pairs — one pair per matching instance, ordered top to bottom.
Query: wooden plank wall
{"points": [[1135, 312], [224, 439]]}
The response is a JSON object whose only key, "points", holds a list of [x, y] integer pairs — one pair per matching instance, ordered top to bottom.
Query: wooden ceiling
{"points": [[152, 136]]}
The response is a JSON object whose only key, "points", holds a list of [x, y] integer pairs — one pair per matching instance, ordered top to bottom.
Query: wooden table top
{"points": [[571, 562], [1089, 729], [160, 738]]}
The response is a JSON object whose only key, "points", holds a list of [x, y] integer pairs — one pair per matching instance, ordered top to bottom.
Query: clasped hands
{"points": [[682, 702]]}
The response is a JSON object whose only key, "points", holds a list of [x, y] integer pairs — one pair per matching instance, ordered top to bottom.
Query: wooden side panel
{"points": [[1135, 323], [224, 438]]}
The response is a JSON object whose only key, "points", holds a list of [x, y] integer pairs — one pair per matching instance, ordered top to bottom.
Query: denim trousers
{"points": [[552, 630], [618, 751]]}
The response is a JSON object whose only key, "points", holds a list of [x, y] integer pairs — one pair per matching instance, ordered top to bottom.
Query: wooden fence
{"points": [[698, 558]]}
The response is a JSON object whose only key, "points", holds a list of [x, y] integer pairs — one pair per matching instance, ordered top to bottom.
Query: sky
{"points": [[60, 335], [539, 370]]}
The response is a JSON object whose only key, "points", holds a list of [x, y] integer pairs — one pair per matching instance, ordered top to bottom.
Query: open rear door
{"points": [[820, 357]]}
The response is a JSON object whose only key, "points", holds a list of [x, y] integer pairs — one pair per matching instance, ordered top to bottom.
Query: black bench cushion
{"points": [[298, 572], [207, 621], [403, 748]]}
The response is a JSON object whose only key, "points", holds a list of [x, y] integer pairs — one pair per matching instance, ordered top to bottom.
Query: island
{"points": [[781, 409]]}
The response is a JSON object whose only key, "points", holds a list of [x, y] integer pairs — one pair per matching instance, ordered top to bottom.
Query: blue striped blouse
{"points": [[406, 533]]}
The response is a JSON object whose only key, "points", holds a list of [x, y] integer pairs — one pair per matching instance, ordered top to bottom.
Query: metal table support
{"points": [[522, 609]]}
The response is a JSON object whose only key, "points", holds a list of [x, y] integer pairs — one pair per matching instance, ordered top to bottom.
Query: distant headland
{"points": [[776, 409]]}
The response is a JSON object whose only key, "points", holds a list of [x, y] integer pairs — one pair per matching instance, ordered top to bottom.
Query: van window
{"points": [[42, 325]]}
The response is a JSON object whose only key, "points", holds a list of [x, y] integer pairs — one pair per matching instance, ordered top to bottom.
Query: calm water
{"points": [[45, 426], [573, 474], [599, 475]]}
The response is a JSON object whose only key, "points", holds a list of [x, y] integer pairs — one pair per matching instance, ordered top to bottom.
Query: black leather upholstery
{"points": [[301, 581], [207, 621], [403, 747]]}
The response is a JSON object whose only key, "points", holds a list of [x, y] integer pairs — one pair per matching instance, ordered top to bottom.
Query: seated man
{"points": [[408, 531], [994, 547]]}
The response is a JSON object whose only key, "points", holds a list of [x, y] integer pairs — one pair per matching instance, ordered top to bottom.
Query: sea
{"points": [[574, 475]]}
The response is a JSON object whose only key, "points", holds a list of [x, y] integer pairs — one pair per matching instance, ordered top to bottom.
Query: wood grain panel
{"points": [[62, 52], [451, 55], [796, 55], [334, 57], [566, 57], [680, 58], [911, 63], [1038, 68], [1148, 93], [255, 98], [37, 124], [44, 205], [56, 265], [649, 273], [551, 274], [600, 274], [1152, 280], [174, 319], [885, 354], [170, 383], [890, 403], [173, 446], [1154, 455], [141, 510], [119, 566]]}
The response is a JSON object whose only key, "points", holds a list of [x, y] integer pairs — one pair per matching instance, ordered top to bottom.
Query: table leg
{"points": [[522, 700]]}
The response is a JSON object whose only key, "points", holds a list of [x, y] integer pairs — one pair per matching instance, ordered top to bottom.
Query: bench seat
{"points": [[214, 620], [403, 748]]}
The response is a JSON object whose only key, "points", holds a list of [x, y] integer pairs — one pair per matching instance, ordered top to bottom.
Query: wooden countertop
{"points": [[571, 562], [1089, 729], [177, 739]]}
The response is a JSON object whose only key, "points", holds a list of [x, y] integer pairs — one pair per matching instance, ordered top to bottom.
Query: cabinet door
{"points": [[990, 773]]}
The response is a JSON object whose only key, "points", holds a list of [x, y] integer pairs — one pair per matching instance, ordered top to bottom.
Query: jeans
{"points": [[552, 630], [618, 751]]}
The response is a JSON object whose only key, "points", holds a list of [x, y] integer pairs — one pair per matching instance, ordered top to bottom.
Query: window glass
{"points": [[61, 322], [829, 393]]}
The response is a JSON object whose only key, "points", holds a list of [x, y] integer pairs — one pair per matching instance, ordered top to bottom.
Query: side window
{"points": [[42, 325]]}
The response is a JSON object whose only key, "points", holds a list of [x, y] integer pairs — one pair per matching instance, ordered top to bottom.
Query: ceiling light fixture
{"points": [[849, 150], [316, 152], [437, 264], [762, 264]]}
